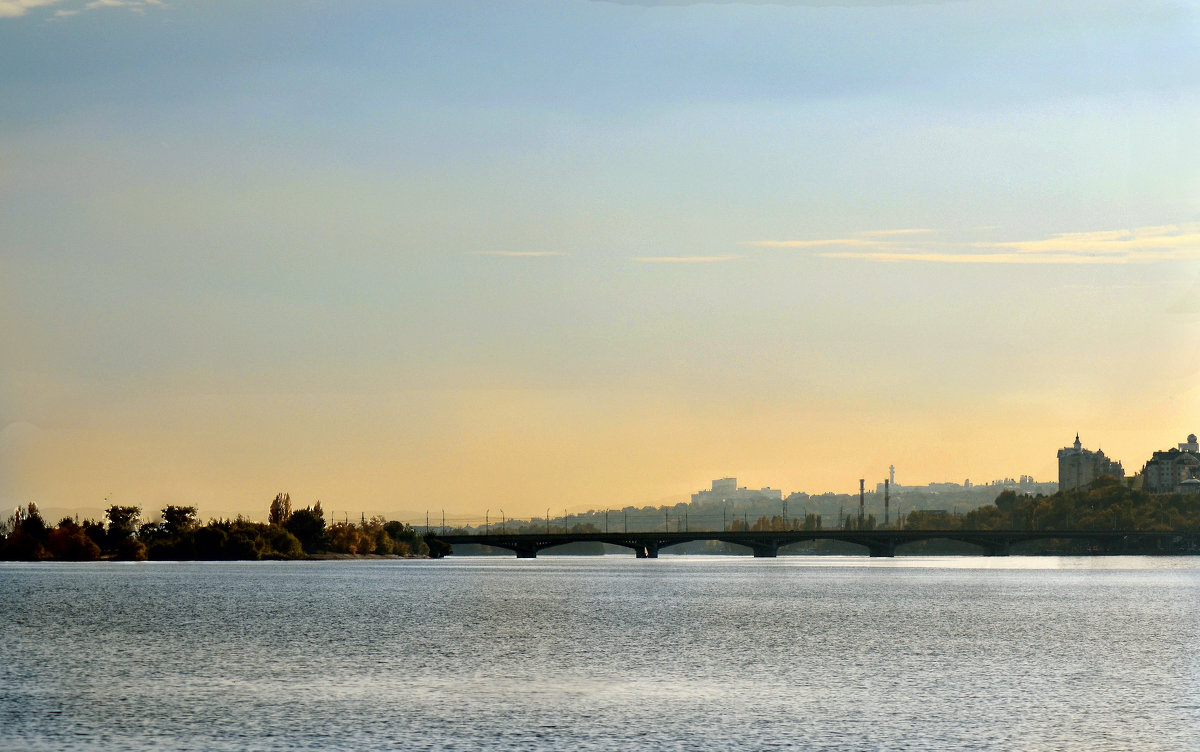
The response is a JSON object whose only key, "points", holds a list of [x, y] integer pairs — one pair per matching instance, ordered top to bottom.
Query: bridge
{"points": [[766, 543]]}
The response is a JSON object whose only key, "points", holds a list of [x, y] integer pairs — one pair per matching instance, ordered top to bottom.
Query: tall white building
{"points": [[1077, 467]]}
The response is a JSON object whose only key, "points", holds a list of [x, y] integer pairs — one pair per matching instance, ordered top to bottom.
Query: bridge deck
{"points": [[766, 543]]}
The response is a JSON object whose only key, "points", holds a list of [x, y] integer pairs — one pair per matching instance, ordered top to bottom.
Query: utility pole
{"points": [[547, 520]]}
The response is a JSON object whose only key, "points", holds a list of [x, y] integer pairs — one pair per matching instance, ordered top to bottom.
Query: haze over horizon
{"points": [[580, 254]]}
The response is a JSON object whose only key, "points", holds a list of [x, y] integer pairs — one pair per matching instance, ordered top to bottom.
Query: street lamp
{"points": [[487, 521], [503, 522]]}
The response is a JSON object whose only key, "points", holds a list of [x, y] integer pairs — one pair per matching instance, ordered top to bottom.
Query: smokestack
{"points": [[887, 486], [862, 500]]}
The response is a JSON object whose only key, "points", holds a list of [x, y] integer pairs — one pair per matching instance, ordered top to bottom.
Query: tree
{"points": [[281, 509], [178, 520], [122, 521], [308, 525], [27, 535], [69, 542]]}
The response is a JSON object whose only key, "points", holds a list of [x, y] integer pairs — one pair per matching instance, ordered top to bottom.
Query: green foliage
{"points": [[1107, 504], [281, 509], [178, 520], [122, 521], [308, 525], [27, 535], [179, 536], [70, 542], [131, 549]]}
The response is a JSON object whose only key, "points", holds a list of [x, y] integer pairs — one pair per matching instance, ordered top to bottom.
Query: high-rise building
{"points": [[1077, 467], [726, 489]]}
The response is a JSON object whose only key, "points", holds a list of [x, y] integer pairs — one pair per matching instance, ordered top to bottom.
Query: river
{"points": [[603, 653]]}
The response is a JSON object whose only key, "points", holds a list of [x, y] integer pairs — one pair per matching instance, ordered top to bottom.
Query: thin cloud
{"points": [[783, 3], [137, 6], [16, 8], [901, 231], [863, 238], [1156, 238], [808, 243], [1139, 245], [518, 254], [977, 258], [683, 259]]}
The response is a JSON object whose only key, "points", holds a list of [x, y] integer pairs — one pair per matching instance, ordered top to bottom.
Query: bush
{"points": [[131, 549]]}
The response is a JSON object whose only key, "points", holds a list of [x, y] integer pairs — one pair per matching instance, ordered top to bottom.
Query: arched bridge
{"points": [[646, 545]]}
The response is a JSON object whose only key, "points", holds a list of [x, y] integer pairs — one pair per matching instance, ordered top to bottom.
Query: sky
{"points": [[476, 256]]}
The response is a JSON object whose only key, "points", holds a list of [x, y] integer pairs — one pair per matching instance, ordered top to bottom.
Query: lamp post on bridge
{"points": [[547, 520], [487, 521], [503, 523]]}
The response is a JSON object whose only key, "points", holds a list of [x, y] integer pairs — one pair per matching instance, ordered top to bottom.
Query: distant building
{"points": [[1077, 467], [1172, 470], [1026, 484], [726, 489]]}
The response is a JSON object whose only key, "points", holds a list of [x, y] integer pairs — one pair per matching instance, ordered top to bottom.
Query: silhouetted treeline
{"points": [[288, 534]]}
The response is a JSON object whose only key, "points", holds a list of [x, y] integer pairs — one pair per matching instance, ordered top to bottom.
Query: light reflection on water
{"points": [[929, 653]]}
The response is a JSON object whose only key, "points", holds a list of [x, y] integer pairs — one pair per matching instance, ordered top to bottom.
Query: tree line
{"points": [[1106, 504], [179, 535]]}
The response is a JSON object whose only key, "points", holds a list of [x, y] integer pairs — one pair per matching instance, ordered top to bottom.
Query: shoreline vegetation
{"points": [[1107, 504], [179, 536]]}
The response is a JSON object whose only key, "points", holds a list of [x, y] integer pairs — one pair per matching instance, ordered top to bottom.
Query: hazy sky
{"points": [[472, 256]]}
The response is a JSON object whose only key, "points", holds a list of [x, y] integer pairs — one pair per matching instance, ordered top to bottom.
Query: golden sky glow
{"points": [[408, 257]]}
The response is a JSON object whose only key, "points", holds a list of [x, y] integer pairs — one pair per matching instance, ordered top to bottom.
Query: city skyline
{"points": [[407, 256]]}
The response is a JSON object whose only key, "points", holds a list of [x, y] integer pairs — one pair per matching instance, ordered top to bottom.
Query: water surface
{"points": [[603, 653]]}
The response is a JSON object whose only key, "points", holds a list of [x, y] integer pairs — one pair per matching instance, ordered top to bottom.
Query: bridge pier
{"points": [[884, 548], [1000, 548], [766, 550], [647, 551], [526, 552]]}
